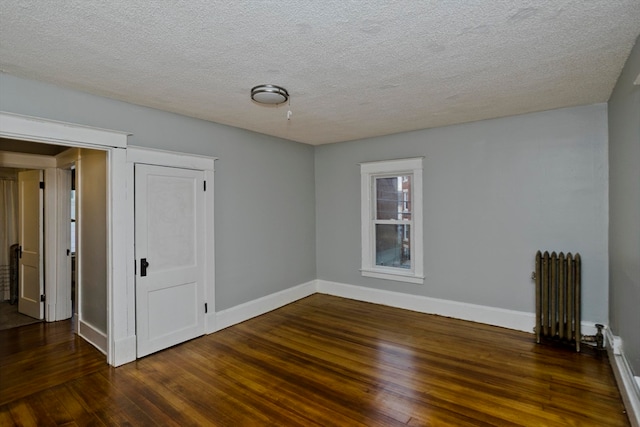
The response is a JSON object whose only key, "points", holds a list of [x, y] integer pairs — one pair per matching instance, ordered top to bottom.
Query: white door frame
{"points": [[65, 160], [185, 161], [120, 334]]}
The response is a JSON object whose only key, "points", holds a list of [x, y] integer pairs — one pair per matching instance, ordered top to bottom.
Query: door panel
{"points": [[30, 218], [169, 229]]}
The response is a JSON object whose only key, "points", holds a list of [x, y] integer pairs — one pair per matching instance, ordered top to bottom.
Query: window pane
{"points": [[393, 197], [393, 246]]}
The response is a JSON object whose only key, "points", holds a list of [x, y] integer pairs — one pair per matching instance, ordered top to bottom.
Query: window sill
{"points": [[398, 277]]}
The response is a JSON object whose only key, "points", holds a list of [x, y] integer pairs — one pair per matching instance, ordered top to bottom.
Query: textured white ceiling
{"points": [[354, 69]]}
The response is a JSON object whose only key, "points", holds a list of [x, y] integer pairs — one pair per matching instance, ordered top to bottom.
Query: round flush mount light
{"points": [[269, 94]]}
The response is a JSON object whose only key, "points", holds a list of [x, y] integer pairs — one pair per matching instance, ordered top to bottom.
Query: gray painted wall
{"points": [[495, 192], [264, 201], [624, 209], [92, 260]]}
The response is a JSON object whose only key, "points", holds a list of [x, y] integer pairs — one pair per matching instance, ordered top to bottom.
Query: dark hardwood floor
{"points": [[11, 318], [319, 361]]}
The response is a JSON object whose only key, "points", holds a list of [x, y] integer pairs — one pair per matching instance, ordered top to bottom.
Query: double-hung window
{"points": [[391, 197]]}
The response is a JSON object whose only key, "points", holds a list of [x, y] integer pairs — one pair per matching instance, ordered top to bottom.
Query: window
{"points": [[391, 197]]}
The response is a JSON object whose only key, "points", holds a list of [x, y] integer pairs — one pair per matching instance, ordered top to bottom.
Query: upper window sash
{"points": [[390, 199]]}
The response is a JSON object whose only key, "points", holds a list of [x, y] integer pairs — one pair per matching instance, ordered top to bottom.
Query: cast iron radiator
{"points": [[558, 297]]}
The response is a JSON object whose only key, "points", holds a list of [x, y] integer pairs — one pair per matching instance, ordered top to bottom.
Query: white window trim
{"points": [[368, 171]]}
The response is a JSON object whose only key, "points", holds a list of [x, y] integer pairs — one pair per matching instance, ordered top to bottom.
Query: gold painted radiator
{"points": [[557, 279]]}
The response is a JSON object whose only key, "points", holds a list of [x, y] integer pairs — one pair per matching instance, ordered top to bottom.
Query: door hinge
{"points": [[42, 185], [205, 185], [20, 252], [68, 252], [135, 267], [42, 298], [206, 309]]}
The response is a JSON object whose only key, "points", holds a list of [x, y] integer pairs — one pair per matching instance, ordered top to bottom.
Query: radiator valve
{"points": [[598, 338]]}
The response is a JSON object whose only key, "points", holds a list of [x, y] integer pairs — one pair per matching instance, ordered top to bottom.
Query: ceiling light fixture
{"points": [[269, 94]]}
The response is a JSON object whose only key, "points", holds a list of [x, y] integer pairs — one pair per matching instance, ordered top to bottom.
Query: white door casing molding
{"points": [[27, 128], [155, 157], [120, 302], [63, 305], [62, 308]]}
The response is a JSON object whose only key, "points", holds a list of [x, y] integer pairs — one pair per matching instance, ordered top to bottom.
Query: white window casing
{"points": [[369, 172]]}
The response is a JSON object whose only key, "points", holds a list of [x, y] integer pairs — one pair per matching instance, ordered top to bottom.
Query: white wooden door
{"points": [[30, 218], [169, 247]]}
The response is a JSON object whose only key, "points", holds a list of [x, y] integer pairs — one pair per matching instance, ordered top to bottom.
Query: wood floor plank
{"points": [[37, 357], [322, 361], [391, 371], [271, 383], [392, 384], [248, 387], [147, 399], [53, 407], [113, 407], [25, 414], [81, 415], [6, 419]]}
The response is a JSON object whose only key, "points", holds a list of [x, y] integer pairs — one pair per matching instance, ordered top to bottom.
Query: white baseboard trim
{"points": [[248, 310], [511, 319], [93, 336], [124, 351], [627, 383]]}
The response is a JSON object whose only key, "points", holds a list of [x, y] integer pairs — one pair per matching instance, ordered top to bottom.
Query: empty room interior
{"points": [[305, 213]]}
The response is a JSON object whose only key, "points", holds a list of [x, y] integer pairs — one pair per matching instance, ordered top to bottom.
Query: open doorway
{"points": [[64, 239], [117, 338]]}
